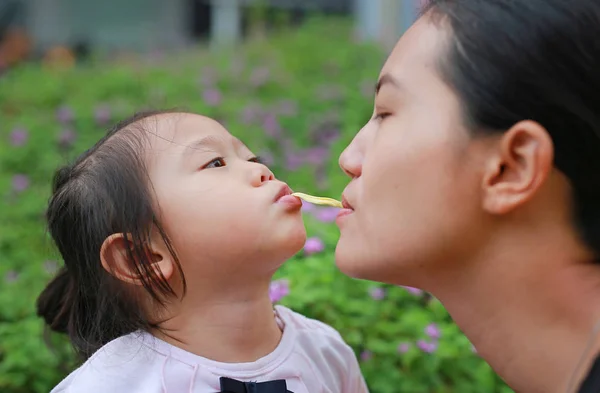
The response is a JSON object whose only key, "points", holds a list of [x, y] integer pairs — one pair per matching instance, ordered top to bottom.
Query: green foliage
{"points": [[281, 96]]}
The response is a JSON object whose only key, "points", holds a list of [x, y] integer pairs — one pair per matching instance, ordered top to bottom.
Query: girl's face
{"points": [[414, 169], [218, 205]]}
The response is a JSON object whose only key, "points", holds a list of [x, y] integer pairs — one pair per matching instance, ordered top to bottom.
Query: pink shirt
{"points": [[311, 357]]}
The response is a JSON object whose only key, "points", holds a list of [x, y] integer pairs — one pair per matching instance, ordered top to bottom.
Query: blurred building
{"points": [[149, 24]]}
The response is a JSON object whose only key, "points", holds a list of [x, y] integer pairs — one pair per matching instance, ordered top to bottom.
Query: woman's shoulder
{"points": [[126, 364]]}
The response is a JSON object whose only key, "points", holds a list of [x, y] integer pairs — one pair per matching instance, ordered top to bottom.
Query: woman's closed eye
{"points": [[381, 116]]}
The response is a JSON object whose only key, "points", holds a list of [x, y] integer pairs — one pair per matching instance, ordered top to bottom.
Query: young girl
{"points": [[171, 229]]}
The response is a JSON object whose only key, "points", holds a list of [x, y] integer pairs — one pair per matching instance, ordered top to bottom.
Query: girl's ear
{"points": [[120, 258]]}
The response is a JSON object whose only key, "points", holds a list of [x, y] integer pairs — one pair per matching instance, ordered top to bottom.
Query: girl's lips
{"points": [[283, 191], [284, 197], [290, 201]]}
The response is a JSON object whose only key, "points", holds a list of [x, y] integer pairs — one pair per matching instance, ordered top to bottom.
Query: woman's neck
{"points": [[528, 305], [236, 325]]}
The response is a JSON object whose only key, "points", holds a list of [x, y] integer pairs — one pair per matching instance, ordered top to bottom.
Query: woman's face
{"points": [[415, 172]]}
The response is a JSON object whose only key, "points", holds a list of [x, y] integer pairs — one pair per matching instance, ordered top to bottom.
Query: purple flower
{"points": [[260, 76], [208, 77], [329, 93], [212, 97], [287, 108], [251, 113], [102, 114], [64, 115], [271, 126], [327, 136], [18, 137], [67, 138], [317, 155], [267, 157], [293, 160], [321, 178], [20, 182], [308, 207], [327, 214], [313, 245], [50, 267], [11, 276], [278, 290], [414, 291], [377, 293], [433, 331], [403, 347], [427, 347], [366, 355]]}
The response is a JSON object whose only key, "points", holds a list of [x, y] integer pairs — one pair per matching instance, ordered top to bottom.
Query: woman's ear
{"points": [[520, 165], [123, 260]]}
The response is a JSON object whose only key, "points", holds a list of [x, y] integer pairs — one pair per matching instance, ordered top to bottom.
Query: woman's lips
{"points": [[346, 205], [345, 211]]}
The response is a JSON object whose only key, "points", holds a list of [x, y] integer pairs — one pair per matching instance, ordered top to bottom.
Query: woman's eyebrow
{"points": [[385, 80]]}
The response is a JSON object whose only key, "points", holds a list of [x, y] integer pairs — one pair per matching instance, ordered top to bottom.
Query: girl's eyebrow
{"points": [[211, 142]]}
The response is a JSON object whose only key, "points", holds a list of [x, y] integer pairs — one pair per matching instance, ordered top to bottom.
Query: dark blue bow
{"points": [[229, 385]]}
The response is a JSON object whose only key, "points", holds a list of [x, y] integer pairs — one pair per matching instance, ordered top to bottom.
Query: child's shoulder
{"points": [[310, 332], [323, 347], [117, 367]]}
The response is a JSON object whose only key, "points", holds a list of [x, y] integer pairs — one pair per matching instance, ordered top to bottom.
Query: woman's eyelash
{"points": [[381, 116]]}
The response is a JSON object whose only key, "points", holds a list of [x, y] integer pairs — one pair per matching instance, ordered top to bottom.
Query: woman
{"points": [[478, 180]]}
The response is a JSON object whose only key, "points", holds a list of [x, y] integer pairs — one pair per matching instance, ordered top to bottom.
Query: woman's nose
{"points": [[351, 159]]}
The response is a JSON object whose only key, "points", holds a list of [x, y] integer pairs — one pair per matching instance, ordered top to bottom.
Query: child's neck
{"points": [[238, 326]]}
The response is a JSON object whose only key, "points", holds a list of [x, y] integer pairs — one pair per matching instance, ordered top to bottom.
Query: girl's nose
{"points": [[261, 174]]}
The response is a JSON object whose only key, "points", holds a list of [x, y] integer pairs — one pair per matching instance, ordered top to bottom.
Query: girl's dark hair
{"points": [[513, 60], [105, 191]]}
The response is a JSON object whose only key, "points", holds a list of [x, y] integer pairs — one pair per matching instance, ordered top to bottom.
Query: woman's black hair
{"points": [[513, 60], [105, 191]]}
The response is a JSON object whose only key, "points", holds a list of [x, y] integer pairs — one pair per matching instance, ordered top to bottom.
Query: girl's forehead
{"points": [[183, 129]]}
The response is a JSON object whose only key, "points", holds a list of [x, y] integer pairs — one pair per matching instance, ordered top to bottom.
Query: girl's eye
{"points": [[258, 160], [216, 163]]}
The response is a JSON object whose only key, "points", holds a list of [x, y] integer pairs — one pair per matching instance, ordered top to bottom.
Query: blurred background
{"points": [[294, 79]]}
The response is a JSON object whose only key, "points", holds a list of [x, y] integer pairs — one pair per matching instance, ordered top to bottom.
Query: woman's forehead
{"points": [[416, 52]]}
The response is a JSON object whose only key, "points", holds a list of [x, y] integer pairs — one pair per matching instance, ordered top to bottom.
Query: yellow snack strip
{"points": [[318, 200]]}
